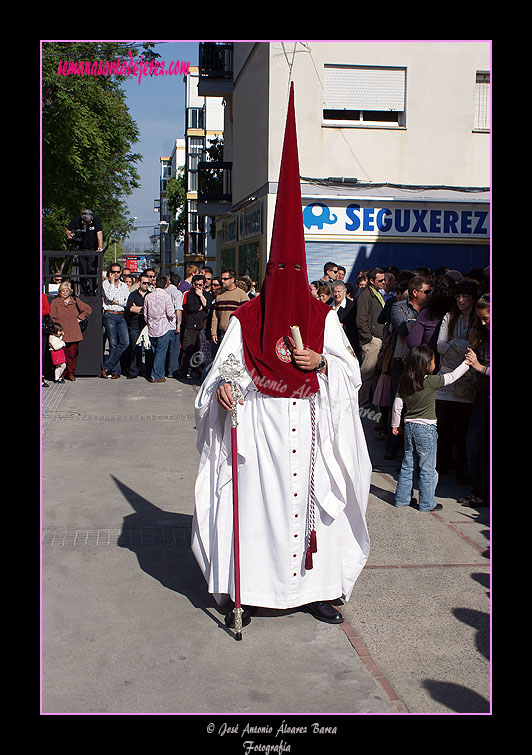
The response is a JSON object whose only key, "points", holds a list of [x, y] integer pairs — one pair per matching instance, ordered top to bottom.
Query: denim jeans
{"points": [[117, 332], [159, 345], [173, 353], [419, 456]]}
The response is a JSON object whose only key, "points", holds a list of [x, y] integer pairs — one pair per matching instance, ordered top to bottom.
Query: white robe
{"points": [[274, 451]]}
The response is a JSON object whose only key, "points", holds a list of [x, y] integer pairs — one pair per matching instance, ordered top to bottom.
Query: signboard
{"points": [[373, 220], [250, 222], [246, 224], [229, 231], [137, 263], [132, 264]]}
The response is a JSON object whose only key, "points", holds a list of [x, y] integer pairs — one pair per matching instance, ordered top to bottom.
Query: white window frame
{"points": [[374, 89], [482, 102]]}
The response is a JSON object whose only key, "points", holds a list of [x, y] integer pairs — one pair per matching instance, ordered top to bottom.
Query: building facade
{"points": [[204, 124], [394, 151], [170, 249]]}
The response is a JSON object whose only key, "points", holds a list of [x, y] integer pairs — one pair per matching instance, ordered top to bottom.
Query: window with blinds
{"points": [[364, 94], [482, 101]]}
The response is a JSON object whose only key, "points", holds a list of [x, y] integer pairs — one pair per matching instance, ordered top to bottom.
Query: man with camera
{"points": [[84, 232]]}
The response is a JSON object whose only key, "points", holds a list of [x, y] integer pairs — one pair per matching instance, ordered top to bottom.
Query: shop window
{"points": [[228, 258], [248, 260]]}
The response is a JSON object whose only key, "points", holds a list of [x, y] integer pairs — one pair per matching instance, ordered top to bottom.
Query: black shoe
{"points": [[45, 385], [437, 507], [323, 611], [247, 613]]}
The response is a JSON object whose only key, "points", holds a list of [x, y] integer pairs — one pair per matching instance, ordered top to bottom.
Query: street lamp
{"points": [[163, 228]]}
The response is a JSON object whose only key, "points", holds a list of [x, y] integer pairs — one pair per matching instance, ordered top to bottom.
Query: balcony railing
{"points": [[216, 60], [216, 69], [214, 181], [195, 243]]}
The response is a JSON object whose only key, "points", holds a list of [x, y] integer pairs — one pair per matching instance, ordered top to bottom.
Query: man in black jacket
{"points": [[346, 310], [197, 311], [136, 323]]}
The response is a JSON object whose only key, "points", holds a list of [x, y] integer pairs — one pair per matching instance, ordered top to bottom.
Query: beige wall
{"points": [[250, 114], [437, 146]]}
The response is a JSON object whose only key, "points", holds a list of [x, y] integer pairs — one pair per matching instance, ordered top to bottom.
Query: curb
{"points": [[371, 667]]}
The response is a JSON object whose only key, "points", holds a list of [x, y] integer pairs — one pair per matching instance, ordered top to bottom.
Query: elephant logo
{"points": [[310, 218]]}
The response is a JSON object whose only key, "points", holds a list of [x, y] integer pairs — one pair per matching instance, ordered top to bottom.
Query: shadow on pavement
{"points": [[161, 542], [457, 697]]}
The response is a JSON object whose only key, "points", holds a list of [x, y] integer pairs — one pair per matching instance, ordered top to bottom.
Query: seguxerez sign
{"points": [[424, 220]]}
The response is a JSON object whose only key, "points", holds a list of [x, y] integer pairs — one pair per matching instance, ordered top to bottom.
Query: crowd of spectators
{"points": [[388, 313], [154, 326], [158, 326]]}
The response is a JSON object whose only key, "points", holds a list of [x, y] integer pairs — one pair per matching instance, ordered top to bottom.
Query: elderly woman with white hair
{"points": [[70, 311]]}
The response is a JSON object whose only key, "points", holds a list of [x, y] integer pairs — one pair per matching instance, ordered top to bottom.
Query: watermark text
{"points": [[128, 67]]}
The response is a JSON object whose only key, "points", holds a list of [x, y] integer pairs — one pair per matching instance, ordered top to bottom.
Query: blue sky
{"points": [[157, 105]]}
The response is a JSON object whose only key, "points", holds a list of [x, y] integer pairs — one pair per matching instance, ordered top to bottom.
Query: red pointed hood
{"points": [[285, 298]]}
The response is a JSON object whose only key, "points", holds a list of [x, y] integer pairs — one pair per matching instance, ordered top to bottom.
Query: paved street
{"points": [[128, 626]]}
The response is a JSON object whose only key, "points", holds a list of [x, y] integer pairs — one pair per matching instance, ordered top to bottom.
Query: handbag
{"points": [[82, 323], [465, 388]]}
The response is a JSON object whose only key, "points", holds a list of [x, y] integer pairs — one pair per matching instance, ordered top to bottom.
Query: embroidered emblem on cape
{"points": [[282, 350]]}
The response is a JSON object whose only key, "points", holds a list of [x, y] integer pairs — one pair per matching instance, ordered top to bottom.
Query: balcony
{"points": [[215, 69], [214, 187]]}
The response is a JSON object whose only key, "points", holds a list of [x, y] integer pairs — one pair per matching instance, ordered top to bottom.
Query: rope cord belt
{"points": [[311, 531]]}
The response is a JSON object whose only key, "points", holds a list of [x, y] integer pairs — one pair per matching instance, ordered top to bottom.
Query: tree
{"points": [[87, 135], [212, 178], [176, 193]]}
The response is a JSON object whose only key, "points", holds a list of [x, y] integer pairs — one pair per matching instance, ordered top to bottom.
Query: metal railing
{"points": [[216, 60], [214, 181]]}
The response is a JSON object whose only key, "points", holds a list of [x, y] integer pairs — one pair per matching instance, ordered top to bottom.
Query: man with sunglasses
{"points": [[330, 274], [208, 275], [152, 276], [53, 286], [114, 300], [226, 303], [197, 311], [136, 323]]}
